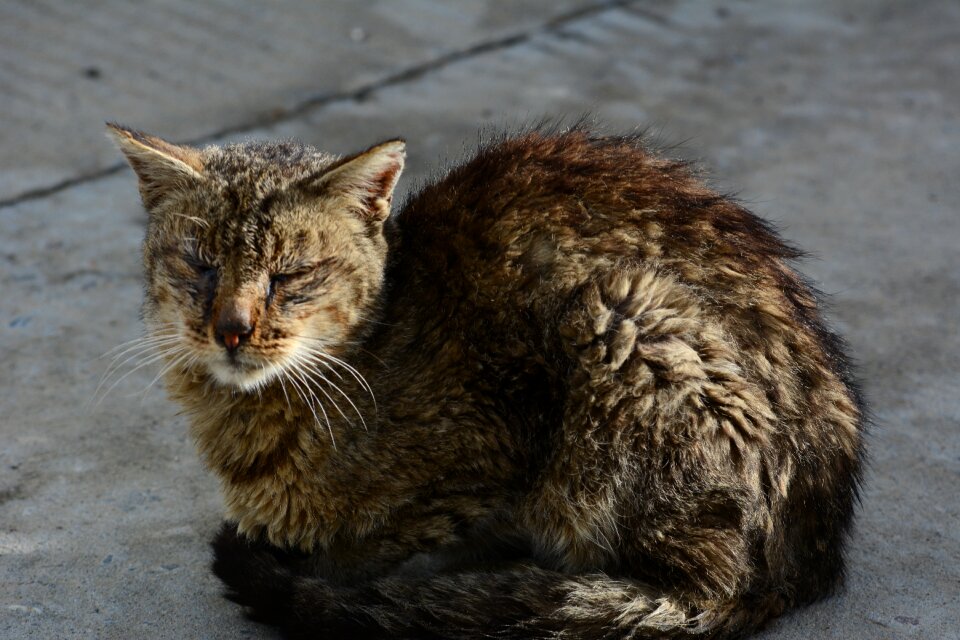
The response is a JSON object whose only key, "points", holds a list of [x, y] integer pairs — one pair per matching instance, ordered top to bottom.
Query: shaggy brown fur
{"points": [[567, 392]]}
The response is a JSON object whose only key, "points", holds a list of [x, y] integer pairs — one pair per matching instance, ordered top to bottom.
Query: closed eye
{"points": [[201, 267], [305, 277], [200, 279], [278, 279]]}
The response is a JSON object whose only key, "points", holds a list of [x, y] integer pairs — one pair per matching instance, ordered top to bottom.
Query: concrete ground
{"points": [[838, 120]]}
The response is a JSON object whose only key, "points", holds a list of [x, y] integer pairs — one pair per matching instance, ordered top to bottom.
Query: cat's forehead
{"points": [[252, 171], [236, 210]]}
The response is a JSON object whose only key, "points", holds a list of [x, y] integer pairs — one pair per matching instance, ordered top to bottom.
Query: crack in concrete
{"points": [[307, 105]]}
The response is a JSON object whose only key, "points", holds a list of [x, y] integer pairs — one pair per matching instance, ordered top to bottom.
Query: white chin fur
{"points": [[245, 379]]}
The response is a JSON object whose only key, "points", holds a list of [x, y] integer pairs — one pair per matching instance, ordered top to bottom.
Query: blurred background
{"points": [[838, 120]]}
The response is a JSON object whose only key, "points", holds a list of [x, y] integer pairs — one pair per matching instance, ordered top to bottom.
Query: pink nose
{"points": [[234, 326], [232, 340]]}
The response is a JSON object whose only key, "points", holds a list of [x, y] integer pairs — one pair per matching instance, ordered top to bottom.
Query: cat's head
{"points": [[259, 254]]}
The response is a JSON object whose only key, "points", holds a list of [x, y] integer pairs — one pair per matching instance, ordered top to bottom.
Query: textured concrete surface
{"points": [[839, 121]]}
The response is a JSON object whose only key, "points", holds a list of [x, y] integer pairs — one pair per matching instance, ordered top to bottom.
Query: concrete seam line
{"points": [[322, 100]]}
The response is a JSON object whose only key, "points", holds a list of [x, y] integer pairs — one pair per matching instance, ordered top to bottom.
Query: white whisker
{"points": [[199, 221], [137, 341], [142, 345], [131, 350], [145, 352], [321, 352], [184, 358], [316, 359], [150, 360], [114, 367], [308, 370], [352, 371], [259, 386], [283, 388], [307, 391], [341, 392]]}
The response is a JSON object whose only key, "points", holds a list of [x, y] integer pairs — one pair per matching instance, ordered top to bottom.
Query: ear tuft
{"points": [[160, 165], [367, 179]]}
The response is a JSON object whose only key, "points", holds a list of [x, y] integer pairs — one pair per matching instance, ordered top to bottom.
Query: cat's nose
{"points": [[234, 327]]}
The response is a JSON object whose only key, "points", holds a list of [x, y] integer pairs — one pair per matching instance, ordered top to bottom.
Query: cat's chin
{"points": [[240, 377]]}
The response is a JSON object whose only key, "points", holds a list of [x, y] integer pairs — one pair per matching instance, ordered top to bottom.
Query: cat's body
{"points": [[605, 406]]}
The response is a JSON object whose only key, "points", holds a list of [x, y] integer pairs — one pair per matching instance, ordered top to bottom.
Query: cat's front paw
{"points": [[254, 575]]}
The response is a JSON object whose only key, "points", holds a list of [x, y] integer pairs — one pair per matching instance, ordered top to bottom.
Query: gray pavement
{"points": [[838, 120]]}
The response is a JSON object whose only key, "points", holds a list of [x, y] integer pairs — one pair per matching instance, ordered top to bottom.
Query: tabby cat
{"points": [[567, 391]]}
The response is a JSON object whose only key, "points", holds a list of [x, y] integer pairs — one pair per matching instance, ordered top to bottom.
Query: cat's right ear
{"points": [[161, 166], [365, 181]]}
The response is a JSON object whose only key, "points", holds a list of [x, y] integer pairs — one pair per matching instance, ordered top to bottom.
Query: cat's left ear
{"points": [[161, 166], [366, 180]]}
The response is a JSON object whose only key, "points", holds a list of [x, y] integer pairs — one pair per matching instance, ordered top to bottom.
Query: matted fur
{"points": [[588, 397]]}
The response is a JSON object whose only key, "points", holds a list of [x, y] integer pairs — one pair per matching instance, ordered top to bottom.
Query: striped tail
{"points": [[512, 601]]}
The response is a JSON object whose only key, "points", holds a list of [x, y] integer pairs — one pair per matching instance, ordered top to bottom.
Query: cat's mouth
{"points": [[241, 371]]}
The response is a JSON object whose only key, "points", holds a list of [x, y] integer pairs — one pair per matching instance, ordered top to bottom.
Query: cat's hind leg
{"points": [[657, 467]]}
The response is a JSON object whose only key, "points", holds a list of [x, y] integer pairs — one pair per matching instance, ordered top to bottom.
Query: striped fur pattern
{"points": [[567, 391]]}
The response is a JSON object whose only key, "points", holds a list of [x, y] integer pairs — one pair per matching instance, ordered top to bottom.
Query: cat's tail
{"points": [[515, 601]]}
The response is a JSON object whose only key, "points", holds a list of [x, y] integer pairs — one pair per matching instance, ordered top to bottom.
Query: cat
{"points": [[568, 391]]}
